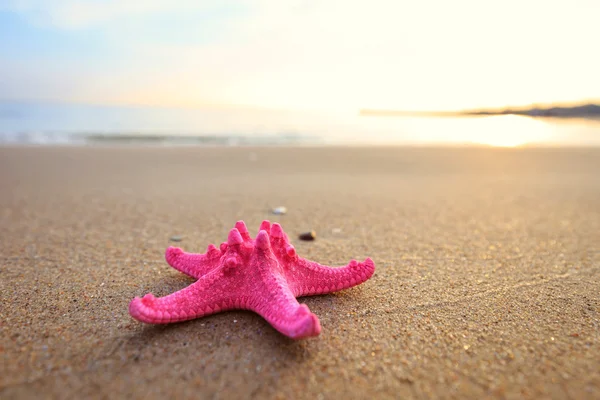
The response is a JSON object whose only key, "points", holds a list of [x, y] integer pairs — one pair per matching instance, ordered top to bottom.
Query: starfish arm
{"points": [[194, 265], [308, 278], [206, 296], [271, 297], [280, 308]]}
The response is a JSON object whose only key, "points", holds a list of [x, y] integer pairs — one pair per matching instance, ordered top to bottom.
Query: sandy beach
{"points": [[487, 281]]}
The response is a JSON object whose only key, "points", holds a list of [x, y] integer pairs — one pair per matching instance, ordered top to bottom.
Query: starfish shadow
{"points": [[217, 325], [250, 326]]}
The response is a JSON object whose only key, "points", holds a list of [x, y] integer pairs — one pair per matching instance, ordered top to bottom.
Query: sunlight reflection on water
{"points": [[62, 123]]}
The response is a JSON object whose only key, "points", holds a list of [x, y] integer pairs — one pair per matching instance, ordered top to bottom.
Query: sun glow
{"points": [[497, 131], [506, 131]]}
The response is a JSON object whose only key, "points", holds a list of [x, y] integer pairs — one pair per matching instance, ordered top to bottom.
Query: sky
{"points": [[310, 55]]}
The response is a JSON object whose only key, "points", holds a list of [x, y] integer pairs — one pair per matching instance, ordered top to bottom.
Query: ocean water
{"points": [[82, 124]]}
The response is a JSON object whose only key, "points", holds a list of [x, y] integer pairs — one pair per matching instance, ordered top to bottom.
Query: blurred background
{"points": [[224, 72]]}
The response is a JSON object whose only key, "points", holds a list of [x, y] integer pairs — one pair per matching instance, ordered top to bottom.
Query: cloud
{"points": [[77, 14], [320, 54]]}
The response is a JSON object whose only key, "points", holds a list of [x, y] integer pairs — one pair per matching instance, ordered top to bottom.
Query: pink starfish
{"points": [[263, 275]]}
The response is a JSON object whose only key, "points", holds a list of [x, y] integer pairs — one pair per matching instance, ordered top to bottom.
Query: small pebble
{"points": [[279, 210], [336, 231], [308, 235], [176, 238]]}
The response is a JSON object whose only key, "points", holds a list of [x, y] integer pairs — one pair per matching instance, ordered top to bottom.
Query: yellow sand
{"points": [[487, 280]]}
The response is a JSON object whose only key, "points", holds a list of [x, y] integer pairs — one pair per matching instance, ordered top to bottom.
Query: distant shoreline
{"points": [[591, 111]]}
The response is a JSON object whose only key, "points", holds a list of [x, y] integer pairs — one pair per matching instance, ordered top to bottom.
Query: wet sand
{"points": [[487, 282]]}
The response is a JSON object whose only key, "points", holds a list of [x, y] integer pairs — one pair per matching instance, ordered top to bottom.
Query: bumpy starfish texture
{"points": [[264, 275]]}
